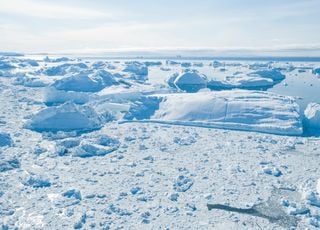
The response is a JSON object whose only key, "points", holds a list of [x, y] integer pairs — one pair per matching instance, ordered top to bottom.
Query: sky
{"points": [[79, 26]]}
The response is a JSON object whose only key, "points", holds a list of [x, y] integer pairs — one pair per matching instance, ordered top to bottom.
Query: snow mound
{"points": [[136, 68], [63, 69], [272, 74], [190, 81], [241, 81], [86, 82], [238, 109], [312, 116], [66, 117], [5, 139]]}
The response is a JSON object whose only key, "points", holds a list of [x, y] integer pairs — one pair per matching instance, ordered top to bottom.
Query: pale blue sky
{"points": [[98, 25]]}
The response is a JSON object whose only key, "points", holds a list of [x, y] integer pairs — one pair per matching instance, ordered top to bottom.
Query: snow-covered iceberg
{"points": [[136, 68], [64, 69], [273, 74], [189, 81], [241, 81], [86, 82], [237, 109], [312, 116], [66, 117]]}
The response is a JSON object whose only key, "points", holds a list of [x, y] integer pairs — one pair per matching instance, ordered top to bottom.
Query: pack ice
{"points": [[237, 109]]}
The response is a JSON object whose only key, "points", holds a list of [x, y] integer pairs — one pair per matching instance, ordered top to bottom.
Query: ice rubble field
{"points": [[148, 144]]}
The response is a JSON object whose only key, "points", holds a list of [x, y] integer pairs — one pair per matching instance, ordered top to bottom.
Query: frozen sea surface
{"points": [[78, 149]]}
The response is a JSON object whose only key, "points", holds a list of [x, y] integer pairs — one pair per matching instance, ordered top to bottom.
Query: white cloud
{"points": [[43, 9]]}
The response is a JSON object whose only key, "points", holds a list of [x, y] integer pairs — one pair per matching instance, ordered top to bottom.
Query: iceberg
{"points": [[136, 68], [63, 69], [272, 74], [189, 81], [241, 81], [86, 82], [237, 109], [312, 116], [66, 117]]}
